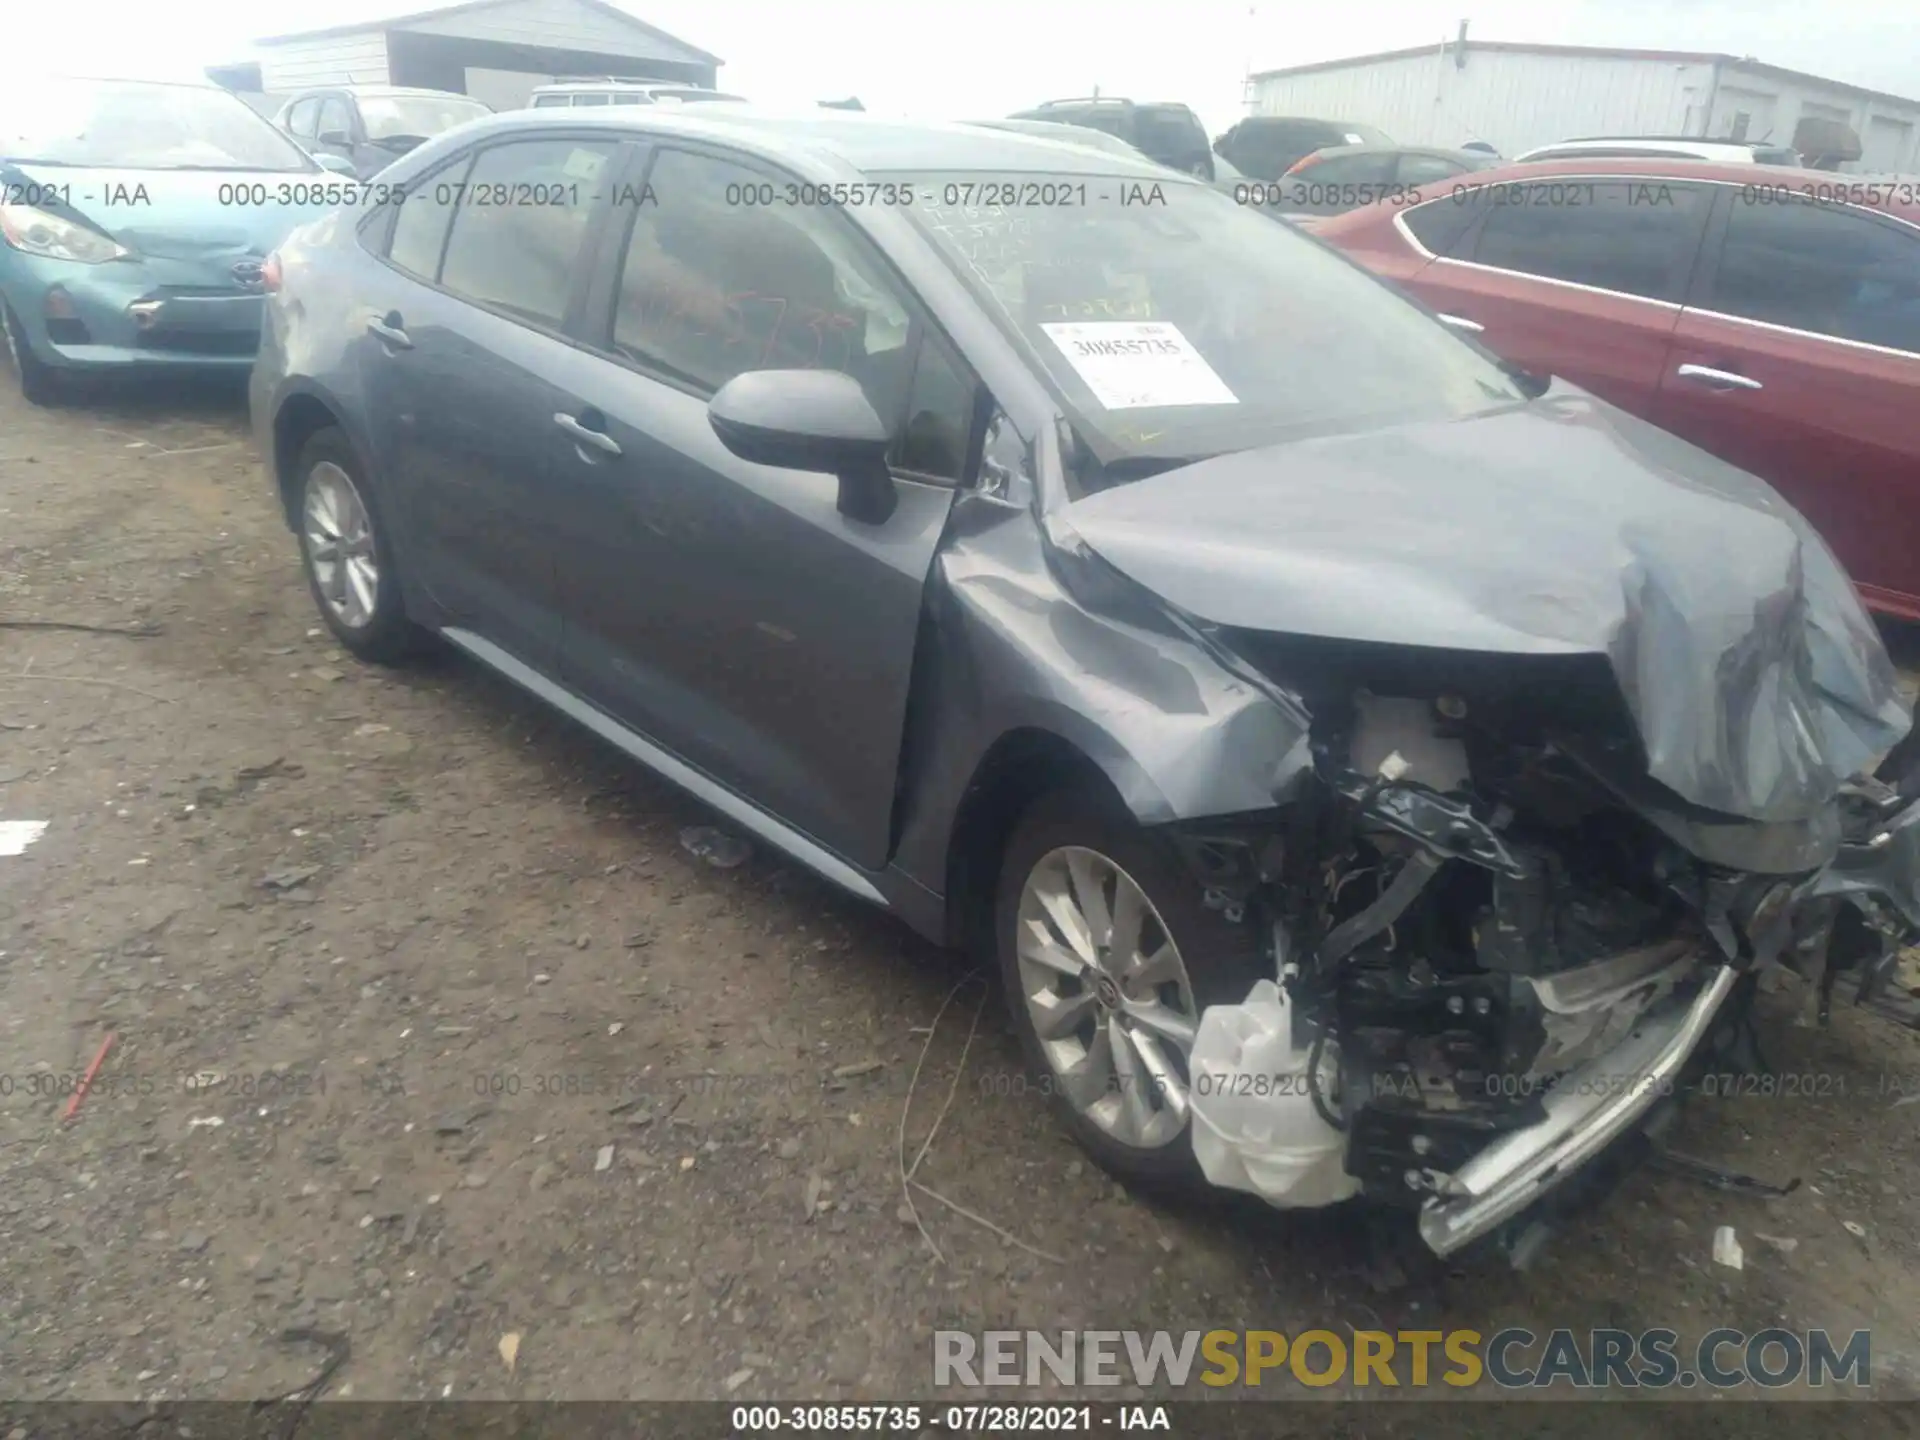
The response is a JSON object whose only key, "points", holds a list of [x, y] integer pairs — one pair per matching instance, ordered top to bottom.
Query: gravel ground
{"points": [[427, 1031]]}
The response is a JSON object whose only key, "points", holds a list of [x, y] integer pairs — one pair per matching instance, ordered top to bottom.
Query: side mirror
{"points": [[339, 139], [335, 164], [810, 420]]}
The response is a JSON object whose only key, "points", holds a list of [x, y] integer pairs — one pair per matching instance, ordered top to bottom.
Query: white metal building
{"points": [[494, 50], [1516, 97]]}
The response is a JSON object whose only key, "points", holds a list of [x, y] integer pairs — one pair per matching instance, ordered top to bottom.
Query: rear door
{"points": [[1576, 277], [472, 335], [1798, 358], [729, 610]]}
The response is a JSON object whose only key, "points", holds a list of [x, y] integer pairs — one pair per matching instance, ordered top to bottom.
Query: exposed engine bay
{"points": [[1497, 946]]}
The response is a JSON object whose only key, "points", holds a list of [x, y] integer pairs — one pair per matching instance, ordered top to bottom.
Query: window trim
{"points": [[597, 223], [1713, 247], [595, 334]]}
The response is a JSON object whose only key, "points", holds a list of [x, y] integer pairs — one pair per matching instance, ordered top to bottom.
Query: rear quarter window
{"points": [[1440, 225]]}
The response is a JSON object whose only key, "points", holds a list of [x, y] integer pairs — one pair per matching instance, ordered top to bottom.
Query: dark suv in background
{"points": [[1170, 134], [1265, 147]]}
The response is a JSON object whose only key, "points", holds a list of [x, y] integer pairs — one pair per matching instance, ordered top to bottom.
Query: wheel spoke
{"points": [[360, 577], [1089, 891], [1069, 922], [1123, 934], [1037, 943], [1150, 971], [1057, 1016], [1164, 1021], [1133, 1078], [1089, 1080], [1167, 1083]]}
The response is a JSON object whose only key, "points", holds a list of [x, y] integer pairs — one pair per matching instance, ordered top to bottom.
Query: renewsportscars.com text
{"points": [[1512, 1359]]}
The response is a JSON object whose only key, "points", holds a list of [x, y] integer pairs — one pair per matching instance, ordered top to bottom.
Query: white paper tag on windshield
{"points": [[1139, 364]]}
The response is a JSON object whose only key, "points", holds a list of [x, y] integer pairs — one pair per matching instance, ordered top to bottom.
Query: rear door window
{"points": [[593, 98], [549, 102], [301, 117], [336, 118], [1163, 131], [1426, 169], [1350, 170], [421, 220], [520, 225], [1440, 225], [1635, 237], [1821, 269]]}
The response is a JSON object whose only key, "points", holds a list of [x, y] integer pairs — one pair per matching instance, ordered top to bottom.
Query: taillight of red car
{"points": [[270, 274]]}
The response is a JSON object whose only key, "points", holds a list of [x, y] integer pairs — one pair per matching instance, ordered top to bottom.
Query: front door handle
{"points": [[1460, 322], [389, 331], [1718, 379], [584, 435]]}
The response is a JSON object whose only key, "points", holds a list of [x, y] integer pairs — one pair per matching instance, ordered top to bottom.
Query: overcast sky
{"points": [[986, 57]]}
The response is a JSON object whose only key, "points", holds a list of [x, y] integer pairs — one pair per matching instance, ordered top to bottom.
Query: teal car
{"points": [[137, 218]]}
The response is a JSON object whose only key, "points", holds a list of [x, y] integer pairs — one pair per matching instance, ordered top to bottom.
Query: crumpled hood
{"points": [[183, 223], [1756, 680]]}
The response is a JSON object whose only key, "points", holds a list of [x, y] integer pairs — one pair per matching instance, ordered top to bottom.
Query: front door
{"points": [[1575, 277], [472, 350], [1799, 359], [728, 610]]}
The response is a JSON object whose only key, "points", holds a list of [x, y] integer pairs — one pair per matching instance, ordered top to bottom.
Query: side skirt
{"points": [[743, 813]]}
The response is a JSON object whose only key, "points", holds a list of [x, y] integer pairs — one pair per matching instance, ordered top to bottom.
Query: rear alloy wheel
{"points": [[39, 381], [349, 564], [1108, 957]]}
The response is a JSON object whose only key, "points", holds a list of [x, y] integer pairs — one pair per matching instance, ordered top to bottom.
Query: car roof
{"points": [[377, 90], [1257, 120], [840, 140], [1690, 142], [1445, 152], [1890, 199]]}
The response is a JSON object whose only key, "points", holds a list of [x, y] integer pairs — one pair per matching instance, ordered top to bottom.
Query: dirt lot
{"points": [[392, 959]]}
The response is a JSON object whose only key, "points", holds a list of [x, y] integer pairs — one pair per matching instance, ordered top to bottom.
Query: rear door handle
{"points": [[1460, 322], [389, 331], [1718, 379], [586, 435]]}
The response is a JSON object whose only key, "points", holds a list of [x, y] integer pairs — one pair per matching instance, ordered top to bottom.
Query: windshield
{"points": [[388, 117], [135, 125], [1177, 325]]}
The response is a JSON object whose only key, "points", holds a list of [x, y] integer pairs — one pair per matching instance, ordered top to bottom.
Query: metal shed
{"points": [[494, 50], [1516, 97]]}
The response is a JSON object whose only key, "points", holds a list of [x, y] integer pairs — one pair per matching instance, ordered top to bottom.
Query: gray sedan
{"points": [[1373, 770]]}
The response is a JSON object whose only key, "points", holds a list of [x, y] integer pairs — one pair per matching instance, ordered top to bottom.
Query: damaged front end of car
{"points": [[1518, 892], [1491, 967]]}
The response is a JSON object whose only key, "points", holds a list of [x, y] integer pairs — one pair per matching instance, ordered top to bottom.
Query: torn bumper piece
{"points": [[1586, 1111], [1269, 1139]]}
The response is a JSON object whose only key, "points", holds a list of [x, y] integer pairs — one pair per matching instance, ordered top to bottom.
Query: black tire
{"points": [[40, 383], [387, 636], [1222, 958]]}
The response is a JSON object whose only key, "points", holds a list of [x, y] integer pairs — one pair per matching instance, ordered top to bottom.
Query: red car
{"points": [[1771, 316]]}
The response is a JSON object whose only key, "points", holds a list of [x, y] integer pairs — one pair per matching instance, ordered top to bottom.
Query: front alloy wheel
{"points": [[1109, 955], [1108, 996]]}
